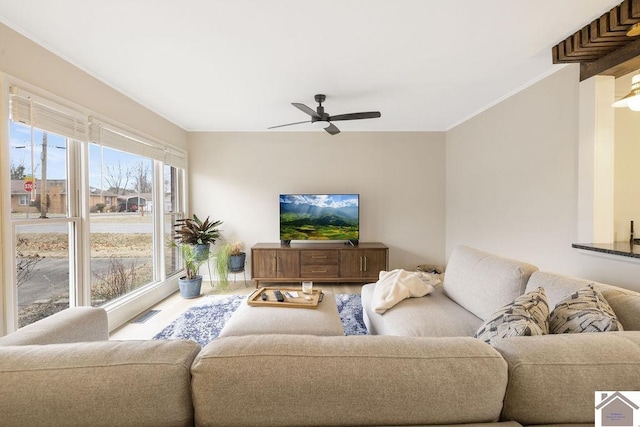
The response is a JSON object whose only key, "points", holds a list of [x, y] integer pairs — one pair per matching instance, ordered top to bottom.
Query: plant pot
{"points": [[202, 251], [236, 262], [190, 288]]}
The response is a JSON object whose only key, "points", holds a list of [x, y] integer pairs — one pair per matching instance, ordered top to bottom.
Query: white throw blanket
{"points": [[395, 285]]}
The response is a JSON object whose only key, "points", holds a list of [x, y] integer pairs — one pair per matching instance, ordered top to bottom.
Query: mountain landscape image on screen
{"points": [[319, 217]]}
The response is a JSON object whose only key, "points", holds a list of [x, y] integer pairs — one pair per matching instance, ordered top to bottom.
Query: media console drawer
{"points": [[319, 257], [319, 270]]}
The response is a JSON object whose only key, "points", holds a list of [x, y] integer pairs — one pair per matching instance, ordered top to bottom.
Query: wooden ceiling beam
{"points": [[635, 8], [620, 16], [599, 32], [600, 38], [585, 40], [577, 44], [618, 63]]}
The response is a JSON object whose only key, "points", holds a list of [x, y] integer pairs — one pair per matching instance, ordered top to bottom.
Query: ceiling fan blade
{"points": [[305, 109], [356, 116], [289, 124], [332, 129]]}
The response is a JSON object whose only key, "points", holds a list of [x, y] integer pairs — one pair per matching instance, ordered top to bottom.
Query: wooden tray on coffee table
{"points": [[255, 299]]}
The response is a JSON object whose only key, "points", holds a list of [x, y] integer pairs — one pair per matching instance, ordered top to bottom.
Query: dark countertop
{"points": [[615, 248]]}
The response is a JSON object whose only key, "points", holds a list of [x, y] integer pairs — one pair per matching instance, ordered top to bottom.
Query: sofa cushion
{"points": [[482, 282], [624, 302], [585, 310], [434, 315], [527, 315], [75, 324], [553, 378], [352, 380], [97, 384]]}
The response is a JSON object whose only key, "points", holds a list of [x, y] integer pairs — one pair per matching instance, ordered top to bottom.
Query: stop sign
{"points": [[29, 186]]}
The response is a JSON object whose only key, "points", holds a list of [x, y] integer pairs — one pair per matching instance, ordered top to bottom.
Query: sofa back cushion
{"points": [[482, 282], [624, 302], [74, 324], [553, 379], [352, 380], [97, 384]]}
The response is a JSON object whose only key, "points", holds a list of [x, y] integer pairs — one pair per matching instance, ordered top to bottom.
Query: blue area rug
{"points": [[203, 322]]}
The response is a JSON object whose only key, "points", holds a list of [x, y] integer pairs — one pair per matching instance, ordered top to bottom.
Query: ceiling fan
{"points": [[323, 119]]}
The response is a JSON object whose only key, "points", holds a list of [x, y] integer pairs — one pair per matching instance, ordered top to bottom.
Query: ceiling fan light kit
{"points": [[632, 99], [320, 119], [320, 124]]}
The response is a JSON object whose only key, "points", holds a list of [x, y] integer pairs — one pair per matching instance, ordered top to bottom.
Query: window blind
{"points": [[38, 112], [49, 116], [113, 137], [175, 159]]}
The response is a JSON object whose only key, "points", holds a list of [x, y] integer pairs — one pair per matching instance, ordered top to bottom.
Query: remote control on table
{"points": [[278, 295], [263, 296]]}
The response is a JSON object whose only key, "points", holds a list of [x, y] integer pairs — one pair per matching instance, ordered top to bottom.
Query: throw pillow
{"points": [[586, 310], [527, 315]]}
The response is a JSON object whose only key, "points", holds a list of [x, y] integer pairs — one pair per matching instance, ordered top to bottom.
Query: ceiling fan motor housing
{"points": [[320, 109]]}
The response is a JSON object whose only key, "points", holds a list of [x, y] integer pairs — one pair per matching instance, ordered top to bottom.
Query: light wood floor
{"points": [[174, 305]]}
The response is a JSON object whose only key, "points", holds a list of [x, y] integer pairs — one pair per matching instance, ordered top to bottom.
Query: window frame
{"points": [[121, 309]]}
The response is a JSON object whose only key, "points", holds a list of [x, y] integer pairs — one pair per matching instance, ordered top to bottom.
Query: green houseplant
{"points": [[193, 231], [193, 237], [229, 259], [222, 265], [191, 283]]}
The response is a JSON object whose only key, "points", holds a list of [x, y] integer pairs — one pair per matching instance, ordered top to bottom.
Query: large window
{"points": [[173, 181], [91, 210], [43, 220], [122, 222]]}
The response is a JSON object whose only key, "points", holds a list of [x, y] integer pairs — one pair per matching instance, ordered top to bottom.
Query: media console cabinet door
{"points": [[363, 262], [264, 263], [274, 263], [288, 264]]}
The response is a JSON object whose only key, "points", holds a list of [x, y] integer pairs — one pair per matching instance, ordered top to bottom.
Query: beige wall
{"points": [[27, 61], [627, 172], [237, 178], [512, 183]]}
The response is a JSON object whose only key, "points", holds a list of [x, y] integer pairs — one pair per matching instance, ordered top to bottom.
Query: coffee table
{"points": [[259, 320]]}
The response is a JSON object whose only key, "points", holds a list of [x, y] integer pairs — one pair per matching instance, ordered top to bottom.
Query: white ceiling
{"points": [[237, 65]]}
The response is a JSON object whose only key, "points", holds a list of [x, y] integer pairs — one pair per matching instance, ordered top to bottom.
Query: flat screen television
{"points": [[319, 217]]}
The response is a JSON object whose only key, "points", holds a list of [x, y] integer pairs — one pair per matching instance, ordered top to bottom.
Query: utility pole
{"points": [[43, 190]]}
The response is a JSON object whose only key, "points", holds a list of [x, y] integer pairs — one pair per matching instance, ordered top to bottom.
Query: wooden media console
{"points": [[318, 262]]}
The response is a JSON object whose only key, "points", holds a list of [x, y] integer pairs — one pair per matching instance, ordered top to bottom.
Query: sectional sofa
{"points": [[64, 371]]}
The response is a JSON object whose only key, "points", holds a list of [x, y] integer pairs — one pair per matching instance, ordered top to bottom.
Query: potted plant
{"points": [[193, 231], [193, 238], [236, 257], [222, 265], [191, 283]]}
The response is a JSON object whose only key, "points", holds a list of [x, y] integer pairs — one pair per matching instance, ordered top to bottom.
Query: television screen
{"points": [[319, 217]]}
